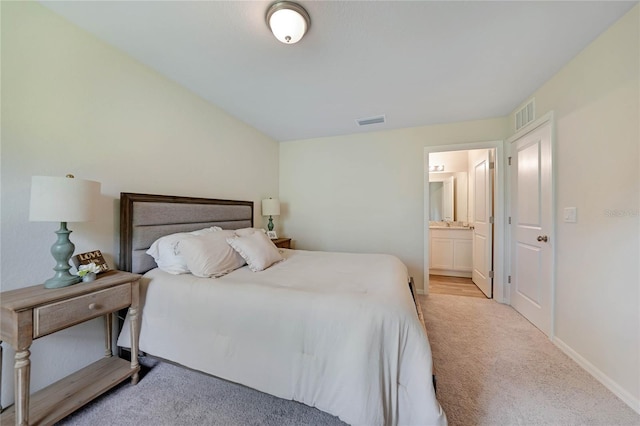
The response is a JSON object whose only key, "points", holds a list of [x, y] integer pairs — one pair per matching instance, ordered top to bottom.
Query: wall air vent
{"points": [[526, 114], [370, 120]]}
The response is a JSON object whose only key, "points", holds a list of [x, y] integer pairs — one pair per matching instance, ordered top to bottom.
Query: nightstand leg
{"points": [[133, 320], [108, 324], [1, 359], [22, 379]]}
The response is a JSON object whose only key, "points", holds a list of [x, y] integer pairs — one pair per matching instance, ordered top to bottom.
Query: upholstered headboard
{"points": [[144, 218]]}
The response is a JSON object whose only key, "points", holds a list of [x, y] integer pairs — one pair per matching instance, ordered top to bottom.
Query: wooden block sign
{"points": [[91, 256]]}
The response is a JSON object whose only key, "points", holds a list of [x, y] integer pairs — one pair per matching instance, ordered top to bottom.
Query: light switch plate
{"points": [[570, 214]]}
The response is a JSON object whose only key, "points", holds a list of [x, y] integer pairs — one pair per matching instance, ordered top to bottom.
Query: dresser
{"points": [[29, 313]]}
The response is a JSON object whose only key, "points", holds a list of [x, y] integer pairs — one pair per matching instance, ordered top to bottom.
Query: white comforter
{"points": [[335, 331]]}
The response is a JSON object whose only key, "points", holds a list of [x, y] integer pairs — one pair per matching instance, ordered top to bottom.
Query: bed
{"points": [[336, 331]]}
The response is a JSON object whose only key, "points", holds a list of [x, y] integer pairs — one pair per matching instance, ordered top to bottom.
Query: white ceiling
{"points": [[416, 62]]}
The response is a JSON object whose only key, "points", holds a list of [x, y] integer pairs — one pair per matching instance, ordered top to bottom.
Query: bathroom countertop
{"points": [[444, 225], [449, 227]]}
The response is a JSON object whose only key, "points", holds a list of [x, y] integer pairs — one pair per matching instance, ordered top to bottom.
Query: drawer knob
{"points": [[93, 306]]}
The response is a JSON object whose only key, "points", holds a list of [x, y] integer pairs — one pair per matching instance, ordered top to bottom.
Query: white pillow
{"points": [[206, 230], [243, 232], [256, 249], [164, 250], [210, 255]]}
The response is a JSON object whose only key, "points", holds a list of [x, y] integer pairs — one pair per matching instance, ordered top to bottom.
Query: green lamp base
{"points": [[270, 224], [62, 250], [61, 281]]}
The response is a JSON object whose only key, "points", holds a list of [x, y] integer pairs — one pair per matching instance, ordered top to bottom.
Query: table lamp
{"points": [[62, 199], [270, 207]]}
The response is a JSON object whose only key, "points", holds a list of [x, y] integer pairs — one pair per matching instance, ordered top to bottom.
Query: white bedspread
{"points": [[335, 331]]}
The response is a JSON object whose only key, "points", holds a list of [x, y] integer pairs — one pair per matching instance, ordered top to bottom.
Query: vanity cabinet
{"points": [[451, 252]]}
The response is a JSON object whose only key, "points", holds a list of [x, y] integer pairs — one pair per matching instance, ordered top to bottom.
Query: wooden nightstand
{"points": [[282, 242], [32, 312]]}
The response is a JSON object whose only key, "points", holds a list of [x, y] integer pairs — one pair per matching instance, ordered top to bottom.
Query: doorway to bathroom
{"points": [[464, 223]]}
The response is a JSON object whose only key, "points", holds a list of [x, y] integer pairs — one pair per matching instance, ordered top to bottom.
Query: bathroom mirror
{"points": [[448, 196], [441, 205]]}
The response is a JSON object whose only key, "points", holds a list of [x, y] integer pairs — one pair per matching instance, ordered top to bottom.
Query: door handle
{"points": [[543, 238]]}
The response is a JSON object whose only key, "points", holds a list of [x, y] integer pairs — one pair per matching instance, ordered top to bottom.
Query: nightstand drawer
{"points": [[56, 316]]}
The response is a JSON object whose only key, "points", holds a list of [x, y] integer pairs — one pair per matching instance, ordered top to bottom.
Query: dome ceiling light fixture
{"points": [[288, 21]]}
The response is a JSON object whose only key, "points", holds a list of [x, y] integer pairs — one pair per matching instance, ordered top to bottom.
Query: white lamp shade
{"points": [[287, 25], [62, 199], [270, 207]]}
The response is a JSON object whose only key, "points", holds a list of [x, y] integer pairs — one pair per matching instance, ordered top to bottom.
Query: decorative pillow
{"points": [[206, 230], [243, 232], [256, 249], [164, 250], [210, 255]]}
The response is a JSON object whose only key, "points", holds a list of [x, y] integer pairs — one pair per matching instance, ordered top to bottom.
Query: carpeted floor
{"points": [[493, 368], [170, 395]]}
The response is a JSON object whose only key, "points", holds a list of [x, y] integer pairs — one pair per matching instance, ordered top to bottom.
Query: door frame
{"points": [[549, 118], [499, 224]]}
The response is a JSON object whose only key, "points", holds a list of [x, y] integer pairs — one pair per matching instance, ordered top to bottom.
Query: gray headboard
{"points": [[144, 218]]}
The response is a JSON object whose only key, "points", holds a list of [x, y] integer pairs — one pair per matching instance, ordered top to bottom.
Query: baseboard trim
{"points": [[450, 273], [420, 291], [618, 391]]}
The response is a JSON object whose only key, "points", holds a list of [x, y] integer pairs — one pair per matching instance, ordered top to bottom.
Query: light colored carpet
{"points": [[493, 368]]}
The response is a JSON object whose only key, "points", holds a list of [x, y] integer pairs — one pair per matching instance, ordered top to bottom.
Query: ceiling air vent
{"points": [[526, 114], [370, 120]]}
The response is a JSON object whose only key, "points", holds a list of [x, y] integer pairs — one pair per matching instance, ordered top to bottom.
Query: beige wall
{"points": [[596, 103], [72, 104], [453, 161], [365, 192]]}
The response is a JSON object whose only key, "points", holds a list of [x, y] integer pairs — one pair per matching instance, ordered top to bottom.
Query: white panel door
{"points": [[532, 218], [482, 232]]}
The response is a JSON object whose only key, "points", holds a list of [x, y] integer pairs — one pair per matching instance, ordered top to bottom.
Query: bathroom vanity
{"points": [[450, 251]]}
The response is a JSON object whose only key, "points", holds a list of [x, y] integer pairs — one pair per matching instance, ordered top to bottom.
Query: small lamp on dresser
{"points": [[62, 199], [270, 207]]}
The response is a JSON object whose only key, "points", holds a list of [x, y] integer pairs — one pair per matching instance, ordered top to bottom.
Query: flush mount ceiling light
{"points": [[288, 21]]}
